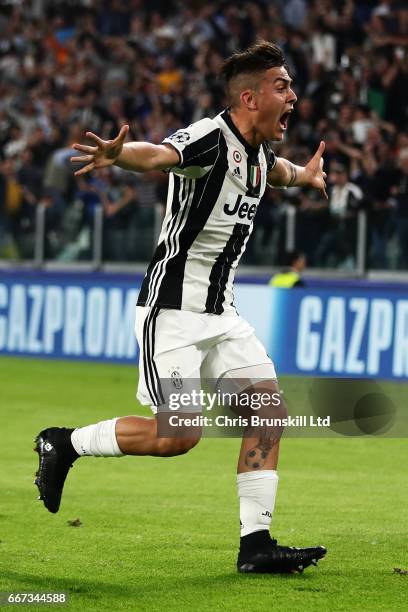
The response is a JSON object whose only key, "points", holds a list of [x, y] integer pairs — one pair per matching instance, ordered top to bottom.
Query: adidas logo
{"points": [[237, 172]]}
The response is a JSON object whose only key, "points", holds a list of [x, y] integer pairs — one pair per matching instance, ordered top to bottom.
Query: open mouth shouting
{"points": [[284, 119]]}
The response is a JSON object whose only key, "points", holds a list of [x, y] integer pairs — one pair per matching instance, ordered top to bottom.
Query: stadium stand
{"points": [[67, 66]]}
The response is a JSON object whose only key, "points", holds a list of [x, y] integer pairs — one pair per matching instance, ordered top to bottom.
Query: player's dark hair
{"points": [[257, 58], [252, 62], [291, 257]]}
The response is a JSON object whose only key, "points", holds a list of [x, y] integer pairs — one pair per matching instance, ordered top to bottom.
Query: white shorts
{"points": [[183, 346]]}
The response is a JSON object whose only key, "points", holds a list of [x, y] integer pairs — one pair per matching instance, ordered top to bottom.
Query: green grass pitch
{"points": [[162, 534]]}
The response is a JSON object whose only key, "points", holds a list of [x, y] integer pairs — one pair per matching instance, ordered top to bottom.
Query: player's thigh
{"points": [[238, 348], [169, 362], [240, 369]]}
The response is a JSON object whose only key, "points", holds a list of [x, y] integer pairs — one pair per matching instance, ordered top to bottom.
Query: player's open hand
{"points": [[103, 153], [314, 168]]}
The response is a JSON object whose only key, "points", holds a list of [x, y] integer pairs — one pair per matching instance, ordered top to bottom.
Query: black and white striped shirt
{"points": [[212, 200]]}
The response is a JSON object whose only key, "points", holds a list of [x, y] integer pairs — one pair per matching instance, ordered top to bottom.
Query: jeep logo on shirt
{"points": [[243, 208]]}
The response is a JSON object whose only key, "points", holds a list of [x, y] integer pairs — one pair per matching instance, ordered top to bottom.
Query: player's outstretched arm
{"points": [[137, 156], [286, 174]]}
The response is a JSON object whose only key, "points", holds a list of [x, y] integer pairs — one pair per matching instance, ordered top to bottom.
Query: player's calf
{"points": [[142, 436], [171, 447]]}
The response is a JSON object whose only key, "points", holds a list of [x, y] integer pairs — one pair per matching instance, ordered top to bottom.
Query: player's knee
{"points": [[273, 405], [279, 408], [276, 414], [268, 420], [186, 445], [171, 447]]}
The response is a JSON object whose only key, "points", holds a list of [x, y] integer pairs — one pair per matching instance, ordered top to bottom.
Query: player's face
{"points": [[275, 99]]}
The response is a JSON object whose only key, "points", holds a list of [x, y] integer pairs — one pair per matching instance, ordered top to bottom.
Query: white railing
{"points": [[96, 259]]}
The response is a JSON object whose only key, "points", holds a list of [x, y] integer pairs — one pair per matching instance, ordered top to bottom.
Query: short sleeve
{"points": [[197, 144], [269, 156]]}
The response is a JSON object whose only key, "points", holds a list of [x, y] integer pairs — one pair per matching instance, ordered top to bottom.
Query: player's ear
{"points": [[248, 99]]}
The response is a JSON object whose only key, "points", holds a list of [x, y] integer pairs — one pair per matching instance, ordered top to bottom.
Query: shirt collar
{"points": [[225, 115]]}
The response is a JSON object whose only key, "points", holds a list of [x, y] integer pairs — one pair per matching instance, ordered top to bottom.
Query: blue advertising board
{"points": [[83, 317], [348, 332], [351, 333]]}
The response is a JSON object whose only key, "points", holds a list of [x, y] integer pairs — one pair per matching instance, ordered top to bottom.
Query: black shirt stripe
{"points": [[203, 152], [206, 193], [161, 249], [222, 266]]}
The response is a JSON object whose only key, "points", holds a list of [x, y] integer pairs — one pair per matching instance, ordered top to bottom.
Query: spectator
{"points": [[83, 63], [400, 193], [11, 201], [119, 208], [338, 244], [290, 276]]}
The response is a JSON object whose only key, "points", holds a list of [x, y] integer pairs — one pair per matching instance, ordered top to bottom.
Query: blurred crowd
{"points": [[67, 66]]}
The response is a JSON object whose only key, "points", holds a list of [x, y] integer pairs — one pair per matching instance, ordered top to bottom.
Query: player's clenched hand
{"points": [[104, 153], [314, 169]]}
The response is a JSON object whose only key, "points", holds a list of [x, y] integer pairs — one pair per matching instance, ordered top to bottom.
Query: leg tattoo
{"points": [[257, 456]]}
